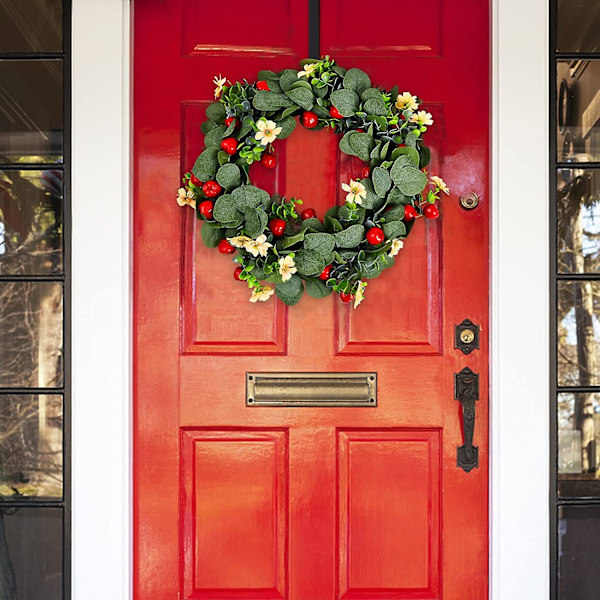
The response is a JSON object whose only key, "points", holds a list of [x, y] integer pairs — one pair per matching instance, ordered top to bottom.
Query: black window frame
{"points": [[556, 502], [63, 503]]}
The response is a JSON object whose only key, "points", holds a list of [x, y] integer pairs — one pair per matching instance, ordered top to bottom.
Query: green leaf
{"points": [[265, 74], [287, 79], [356, 80], [273, 83], [370, 93], [302, 97], [270, 101], [346, 101], [375, 106], [290, 110], [216, 112], [321, 112], [288, 124], [207, 126], [229, 131], [411, 139], [345, 143], [362, 144], [410, 153], [424, 156], [222, 157], [205, 167], [229, 176], [410, 180], [382, 181], [249, 196], [396, 197], [372, 201], [226, 211], [344, 214], [394, 214], [256, 221], [312, 223], [332, 224], [394, 229], [211, 234], [350, 237], [289, 241], [322, 243], [309, 262], [371, 269], [317, 288], [291, 291]]}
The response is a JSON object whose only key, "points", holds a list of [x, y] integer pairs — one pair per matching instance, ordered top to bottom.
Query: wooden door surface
{"points": [[251, 502]]}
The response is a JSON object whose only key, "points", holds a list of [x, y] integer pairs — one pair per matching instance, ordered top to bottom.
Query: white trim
{"points": [[520, 258], [101, 296], [101, 567]]}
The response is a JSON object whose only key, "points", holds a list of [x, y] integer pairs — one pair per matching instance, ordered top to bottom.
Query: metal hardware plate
{"points": [[466, 336], [311, 389]]}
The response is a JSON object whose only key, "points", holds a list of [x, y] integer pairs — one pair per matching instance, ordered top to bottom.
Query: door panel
{"points": [[237, 501]]}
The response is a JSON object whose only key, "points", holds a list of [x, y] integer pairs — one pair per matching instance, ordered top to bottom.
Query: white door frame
{"points": [[519, 507]]}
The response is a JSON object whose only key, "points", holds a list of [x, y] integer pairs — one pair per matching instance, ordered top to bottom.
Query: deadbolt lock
{"points": [[466, 336]]}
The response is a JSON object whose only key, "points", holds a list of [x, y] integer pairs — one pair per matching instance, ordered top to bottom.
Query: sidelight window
{"points": [[34, 299]]}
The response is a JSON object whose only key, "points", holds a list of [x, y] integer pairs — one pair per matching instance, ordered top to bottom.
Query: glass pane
{"points": [[578, 25], [30, 26], [578, 105], [31, 111], [578, 210], [31, 227], [578, 333], [31, 334], [31, 433], [578, 444], [578, 534], [31, 555]]}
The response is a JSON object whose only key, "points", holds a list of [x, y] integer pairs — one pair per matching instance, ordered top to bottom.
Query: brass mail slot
{"points": [[311, 389]]}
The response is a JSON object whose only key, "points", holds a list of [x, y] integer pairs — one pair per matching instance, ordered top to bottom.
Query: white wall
{"points": [[520, 355], [101, 371], [101, 438]]}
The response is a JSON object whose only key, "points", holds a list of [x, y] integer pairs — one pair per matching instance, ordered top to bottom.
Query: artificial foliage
{"points": [[281, 247]]}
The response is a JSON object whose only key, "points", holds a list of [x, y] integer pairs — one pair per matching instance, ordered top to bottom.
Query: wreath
{"points": [[280, 248]]}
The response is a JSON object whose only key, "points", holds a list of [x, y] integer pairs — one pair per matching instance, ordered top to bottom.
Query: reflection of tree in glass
{"points": [[31, 225], [579, 252], [31, 445]]}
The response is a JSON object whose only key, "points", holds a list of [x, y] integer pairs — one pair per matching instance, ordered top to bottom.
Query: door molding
{"points": [[519, 508]]}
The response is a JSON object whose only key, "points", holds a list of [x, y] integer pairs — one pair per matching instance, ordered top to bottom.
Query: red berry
{"points": [[262, 85], [335, 113], [309, 119], [230, 120], [229, 145], [401, 145], [268, 160], [365, 172], [195, 180], [211, 189], [205, 208], [431, 211], [308, 213], [409, 213], [277, 226], [375, 236], [225, 247], [236, 272], [326, 272], [345, 298]]}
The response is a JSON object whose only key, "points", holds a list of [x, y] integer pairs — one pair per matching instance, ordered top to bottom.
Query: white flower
{"points": [[308, 69], [219, 82], [406, 100], [422, 118], [267, 132], [440, 184], [356, 191], [184, 197], [240, 241], [258, 246], [396, 246], [287, 267], [360, 293], [262, 294]]}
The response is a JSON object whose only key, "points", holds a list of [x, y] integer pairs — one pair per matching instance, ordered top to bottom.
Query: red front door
{"points": [[246, 502]]}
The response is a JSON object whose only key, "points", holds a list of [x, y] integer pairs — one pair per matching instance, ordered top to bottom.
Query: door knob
{"points": [[466, 390]]}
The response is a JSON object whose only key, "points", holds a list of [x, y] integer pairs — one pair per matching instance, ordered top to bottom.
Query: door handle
{"points": [[466, 391]]}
